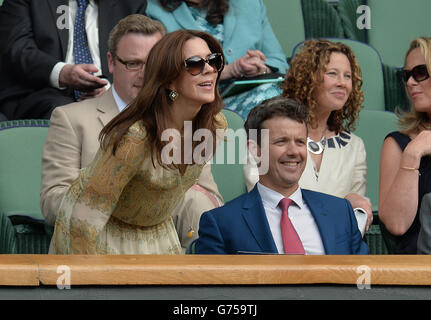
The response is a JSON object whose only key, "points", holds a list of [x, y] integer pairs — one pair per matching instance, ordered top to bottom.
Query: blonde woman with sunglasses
{"points": [[405, 165], [122, 202]]}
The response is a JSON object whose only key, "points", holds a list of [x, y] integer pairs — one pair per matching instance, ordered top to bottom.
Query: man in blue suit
{"points": [[253, 223]]}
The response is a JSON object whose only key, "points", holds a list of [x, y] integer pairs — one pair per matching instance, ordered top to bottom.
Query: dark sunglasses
{"points": [[195, 65], [419, 73]]}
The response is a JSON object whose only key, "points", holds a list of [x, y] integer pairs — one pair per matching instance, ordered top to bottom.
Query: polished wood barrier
{"points": [[34, 270]]}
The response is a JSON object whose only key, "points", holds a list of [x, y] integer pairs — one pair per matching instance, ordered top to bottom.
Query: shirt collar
{"points": [[121, 105], [272, 198]]}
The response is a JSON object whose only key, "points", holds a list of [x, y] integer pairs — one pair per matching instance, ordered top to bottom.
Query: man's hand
{"points": [[79, 77], [92, 94], [358, 201]]}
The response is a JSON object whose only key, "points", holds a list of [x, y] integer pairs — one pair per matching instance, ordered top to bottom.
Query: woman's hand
{"points": [[249, 65], [420, 146], [358, 201]]}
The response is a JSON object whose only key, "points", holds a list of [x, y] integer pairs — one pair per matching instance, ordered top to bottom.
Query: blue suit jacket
{"points": [[245, 27], [31, 44], [241, 225]]}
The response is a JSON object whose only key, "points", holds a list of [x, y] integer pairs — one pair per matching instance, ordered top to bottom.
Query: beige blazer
{"points": [[71, 144]]}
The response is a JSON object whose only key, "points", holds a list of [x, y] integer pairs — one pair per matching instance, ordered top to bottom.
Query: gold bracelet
{"points": [[412, 169]]}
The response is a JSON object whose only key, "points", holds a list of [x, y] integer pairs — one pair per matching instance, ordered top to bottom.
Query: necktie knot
{"points": [[82, 3], [285, 204]]}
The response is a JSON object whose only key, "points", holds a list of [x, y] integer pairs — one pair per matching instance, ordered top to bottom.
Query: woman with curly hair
{"points": [[243, 30], [326, 77], [405, 164]]}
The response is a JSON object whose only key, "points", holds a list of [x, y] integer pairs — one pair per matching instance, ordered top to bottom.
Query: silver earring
{"points": [[173, 95]]}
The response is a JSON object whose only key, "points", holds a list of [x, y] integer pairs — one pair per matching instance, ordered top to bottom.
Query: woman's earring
{"points": [[173, 95]]}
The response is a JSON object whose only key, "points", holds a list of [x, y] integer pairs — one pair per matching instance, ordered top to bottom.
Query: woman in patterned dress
{"points": [[122, 202]]}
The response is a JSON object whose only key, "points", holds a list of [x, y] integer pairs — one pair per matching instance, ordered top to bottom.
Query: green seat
{"points": [[349, 17], [321, 20], [294, 21], [287, 22], [394, 24], [384, 25], [372, 72], [395, 93], [373, 127], [227, 164], [20, 179], [7, 236], [374, 238]]}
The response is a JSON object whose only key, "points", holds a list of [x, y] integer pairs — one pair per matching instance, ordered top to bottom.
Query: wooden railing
{"points": [[35, 270]]}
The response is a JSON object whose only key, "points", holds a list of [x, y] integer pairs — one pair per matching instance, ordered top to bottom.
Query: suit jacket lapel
{"points": [[63, 34], [107, 107], [255, 218], [323, 220]]}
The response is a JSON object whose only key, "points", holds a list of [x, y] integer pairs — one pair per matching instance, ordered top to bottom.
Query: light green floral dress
{"points": [[121, 204]]}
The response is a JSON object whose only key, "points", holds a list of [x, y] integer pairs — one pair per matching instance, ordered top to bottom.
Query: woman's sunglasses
{"points": [[195, 65], [419, 73]]}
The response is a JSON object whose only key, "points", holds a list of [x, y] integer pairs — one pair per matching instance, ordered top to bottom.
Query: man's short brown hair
{"points": [[134, 23], [275, 107]]}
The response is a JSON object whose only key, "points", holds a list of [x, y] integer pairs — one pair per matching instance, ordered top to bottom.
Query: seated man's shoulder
{"points": [[80, 108], [327, 198], [337, 208]]}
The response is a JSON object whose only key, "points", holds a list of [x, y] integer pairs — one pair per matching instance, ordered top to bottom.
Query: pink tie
{"points": [[291, 242]]}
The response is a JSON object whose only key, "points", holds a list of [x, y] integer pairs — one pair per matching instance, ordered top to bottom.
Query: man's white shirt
{"points": [[92, 30], [300, 215]]}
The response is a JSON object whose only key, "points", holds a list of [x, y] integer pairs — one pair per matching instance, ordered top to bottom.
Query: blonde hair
{"points": [[412, 120]]}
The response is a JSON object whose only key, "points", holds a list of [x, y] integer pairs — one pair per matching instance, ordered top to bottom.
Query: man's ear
{"points": [[110, 62], [254, 150], [260, 154]]}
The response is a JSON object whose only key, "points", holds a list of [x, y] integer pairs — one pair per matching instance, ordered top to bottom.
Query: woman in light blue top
{"points": [[243, 30]]}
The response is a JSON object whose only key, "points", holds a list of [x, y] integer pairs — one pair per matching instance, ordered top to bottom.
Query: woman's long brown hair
{"points": [[152, 106]]}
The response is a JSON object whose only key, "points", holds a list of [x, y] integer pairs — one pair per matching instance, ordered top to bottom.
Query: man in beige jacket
{"points": [[72, 139]]}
